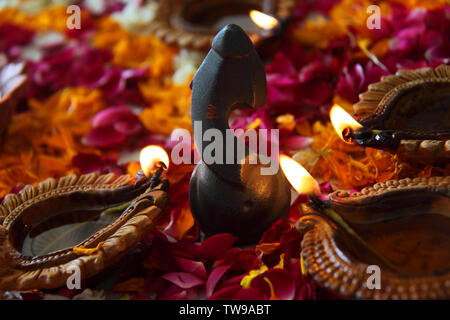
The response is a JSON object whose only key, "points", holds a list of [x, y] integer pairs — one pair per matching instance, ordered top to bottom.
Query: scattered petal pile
{"points": [[97, 94]]}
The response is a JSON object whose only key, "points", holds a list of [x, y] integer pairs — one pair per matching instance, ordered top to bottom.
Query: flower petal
{"points": [[214, 278], [183, 279]]}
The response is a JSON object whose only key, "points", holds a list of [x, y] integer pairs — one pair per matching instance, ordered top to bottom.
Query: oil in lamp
{"points": [[235, 198], [88, 222], [401, 226]]}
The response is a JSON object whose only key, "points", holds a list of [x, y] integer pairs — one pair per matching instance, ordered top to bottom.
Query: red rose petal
{"points": [[215, 246]]}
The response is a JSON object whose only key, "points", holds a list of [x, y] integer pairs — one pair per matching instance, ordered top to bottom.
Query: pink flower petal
{"points": [[112, 115], [105, 137], [296, 142], [195, 267], [214, 278], [183, 279]]}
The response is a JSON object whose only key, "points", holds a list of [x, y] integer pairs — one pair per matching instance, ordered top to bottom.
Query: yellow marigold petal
{"points": [[286, 121], [254, 124], [81, 251], [280, 264], [302, 265], [247, 279], [273, 296]]}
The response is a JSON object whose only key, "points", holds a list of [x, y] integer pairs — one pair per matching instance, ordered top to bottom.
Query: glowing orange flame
{"points": [[262, 20], [341, 120], [151, 158], [298, 177]]}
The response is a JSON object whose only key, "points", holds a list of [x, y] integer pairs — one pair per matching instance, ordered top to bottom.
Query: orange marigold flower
{"points": [[134, 51], [169, 107], [42, 141]]}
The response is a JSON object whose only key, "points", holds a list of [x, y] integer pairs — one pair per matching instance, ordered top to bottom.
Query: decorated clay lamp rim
{"points": [[171, 26], [101, 249], [330, 259]]}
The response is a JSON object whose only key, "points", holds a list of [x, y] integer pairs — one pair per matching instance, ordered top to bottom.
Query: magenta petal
{"points": [[13, 35], [280, 64], [314, 70], [134, 73], [282, 80], [317, 92], [112, 115], [128, 128], [105, 137], [296, 142], [88, 162], [195, 267], [214, 278], [183, 279], [174, 293], [227, 293], [250, 294]]}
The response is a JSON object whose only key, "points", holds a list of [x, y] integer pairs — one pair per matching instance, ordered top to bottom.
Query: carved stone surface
{"points": [[178, 21], [12, 84], [414, 104], [232, 196], [69, 198], [407, 221]]}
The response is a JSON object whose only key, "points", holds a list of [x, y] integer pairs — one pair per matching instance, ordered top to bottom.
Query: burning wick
{"points": [[343, 123], [351, 131], [154, 161], [304, 183]]}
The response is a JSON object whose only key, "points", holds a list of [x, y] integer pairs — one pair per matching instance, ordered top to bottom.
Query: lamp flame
{"points": [[262, 20], [342, 121], [151, 158], [298, 177]]}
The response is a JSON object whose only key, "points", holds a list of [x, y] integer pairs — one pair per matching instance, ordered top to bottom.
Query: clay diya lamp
{"points": [[193, 24], [12, 86], [407, 114], [86, 222], [402, 227]]}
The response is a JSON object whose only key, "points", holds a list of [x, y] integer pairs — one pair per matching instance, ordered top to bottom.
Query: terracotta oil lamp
{"points": [[193, 24], [407, 114], [88, 221], [403, 227]]}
